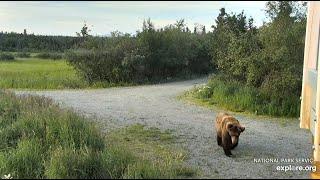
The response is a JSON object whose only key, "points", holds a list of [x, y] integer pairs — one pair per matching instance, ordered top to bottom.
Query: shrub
{"points": [[23, 55], [46, 55], [151, 56], [6, 57], [268, 59], [112, 63]]}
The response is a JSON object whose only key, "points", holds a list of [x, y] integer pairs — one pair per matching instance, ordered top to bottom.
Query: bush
{"points": [[23, 55], [46, 55], [151, 56], [6, 57], [268, 59], [115, 61]]}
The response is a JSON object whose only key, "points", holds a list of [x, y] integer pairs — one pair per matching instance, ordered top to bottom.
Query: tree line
{"points": [[17, 42]]}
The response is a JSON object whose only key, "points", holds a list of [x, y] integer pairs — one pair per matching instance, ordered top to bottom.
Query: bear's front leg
{"points": [[219, 140], [226, 144], [227, 152]]}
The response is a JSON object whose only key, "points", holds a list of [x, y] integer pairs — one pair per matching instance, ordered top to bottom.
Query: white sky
{"points": [[66, 18]]}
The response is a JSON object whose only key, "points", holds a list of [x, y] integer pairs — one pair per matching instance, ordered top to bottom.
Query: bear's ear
{"points": [[242, 129]]}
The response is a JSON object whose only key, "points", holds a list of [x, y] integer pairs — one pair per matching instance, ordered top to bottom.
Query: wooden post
{"points": [[311, 60]]}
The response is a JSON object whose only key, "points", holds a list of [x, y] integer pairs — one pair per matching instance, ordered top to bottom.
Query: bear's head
{"points": [[234, 130]]}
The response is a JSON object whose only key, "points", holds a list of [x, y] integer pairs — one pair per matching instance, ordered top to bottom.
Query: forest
{"points": [[19, 42]]}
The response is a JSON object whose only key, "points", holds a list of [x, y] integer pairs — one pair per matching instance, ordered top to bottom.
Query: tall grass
{"points": [[33, 73], [39, 74], [234, 96], [40, 140]]}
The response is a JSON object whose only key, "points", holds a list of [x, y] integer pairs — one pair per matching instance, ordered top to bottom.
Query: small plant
{"points": [[7, 176]]}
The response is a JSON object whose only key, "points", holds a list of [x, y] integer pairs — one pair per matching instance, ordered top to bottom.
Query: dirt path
{"points": [[156, 105]]}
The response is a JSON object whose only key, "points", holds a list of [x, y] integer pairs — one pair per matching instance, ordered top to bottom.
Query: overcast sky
{"points": [[66, 18]]}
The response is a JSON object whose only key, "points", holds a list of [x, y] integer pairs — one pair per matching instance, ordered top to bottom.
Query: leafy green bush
{"points": [[23, 55], [46, 55], [6, 56], [151, 56], [269, 59]]}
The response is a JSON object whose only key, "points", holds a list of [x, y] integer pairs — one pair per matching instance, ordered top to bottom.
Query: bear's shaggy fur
{"points": [[228, 131]]}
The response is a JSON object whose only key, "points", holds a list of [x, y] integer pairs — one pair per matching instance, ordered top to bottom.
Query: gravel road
{"points": [[157, 106]]}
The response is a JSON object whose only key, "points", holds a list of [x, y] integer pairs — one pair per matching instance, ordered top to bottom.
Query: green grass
{"points": [[33, 73], [39, 74], [236, 97], [41, 140], [158, 154]]}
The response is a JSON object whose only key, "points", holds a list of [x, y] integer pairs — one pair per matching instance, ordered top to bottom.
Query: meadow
{"points": [[32, 73], [35, 73], [41, 140]]}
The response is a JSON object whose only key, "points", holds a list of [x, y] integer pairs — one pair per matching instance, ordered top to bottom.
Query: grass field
{"points": [[31, 73], [41, 74], [41, 140]]}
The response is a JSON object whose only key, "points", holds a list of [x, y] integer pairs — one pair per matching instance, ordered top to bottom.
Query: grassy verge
{"points": [[236, 97], [40, 140], [158, 156]]}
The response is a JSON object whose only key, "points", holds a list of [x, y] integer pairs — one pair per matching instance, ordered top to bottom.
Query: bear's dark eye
{"points": [[230, 126]]}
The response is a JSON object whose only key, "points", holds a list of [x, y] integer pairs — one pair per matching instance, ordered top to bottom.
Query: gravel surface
{"points": [[157, 106]]}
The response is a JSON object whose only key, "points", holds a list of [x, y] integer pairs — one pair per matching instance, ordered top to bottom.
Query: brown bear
{"points": [[228, 131]]}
